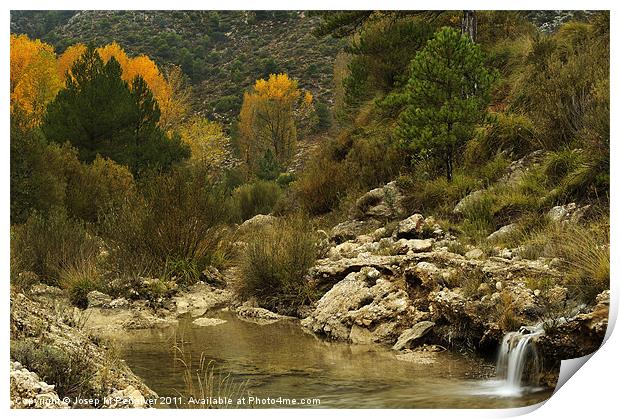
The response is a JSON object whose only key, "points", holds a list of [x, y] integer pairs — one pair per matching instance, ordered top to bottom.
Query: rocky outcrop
{"points": [[208, 321], [29, 392]]}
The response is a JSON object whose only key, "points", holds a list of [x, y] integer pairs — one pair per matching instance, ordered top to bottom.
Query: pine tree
{"points": [[445, 98], [99, 114]]}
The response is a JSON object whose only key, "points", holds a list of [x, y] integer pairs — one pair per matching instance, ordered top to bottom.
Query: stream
{"points": [[281, 360]]}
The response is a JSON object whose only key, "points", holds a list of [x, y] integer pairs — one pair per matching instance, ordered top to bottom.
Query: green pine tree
{"points": [[446, 96], [100, 115]]}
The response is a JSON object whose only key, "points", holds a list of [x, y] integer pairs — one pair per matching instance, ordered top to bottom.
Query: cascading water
{"points": [[518, 363]]}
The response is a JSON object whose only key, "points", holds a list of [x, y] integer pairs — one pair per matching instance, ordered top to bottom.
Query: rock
{"points": [[517, 169], [467, 200], [381, 203], [569, 213], [258, 221], [411, 227], [349, 230], [503, 232], [403, 246], [474, 254], [327, 272], [424, 274], [212, 276], [499, 286], [483, 289], [45, 291], [200, 298], [98, 299], [362, 300], [119, 303], [249, 312], [206, 321], [409, 336], [28, 392]]}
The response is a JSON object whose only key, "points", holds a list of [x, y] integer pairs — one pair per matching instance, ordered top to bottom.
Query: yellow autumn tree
{"points": [[67, 58], [34, 80], [177, 105], [267, 121], [207, 141]]}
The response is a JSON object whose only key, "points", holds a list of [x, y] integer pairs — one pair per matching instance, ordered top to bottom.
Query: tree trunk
{"points": [[469, 24], [449, 164]]}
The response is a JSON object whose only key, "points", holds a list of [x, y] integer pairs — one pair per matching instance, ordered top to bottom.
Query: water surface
{"points": [[281, 360]]}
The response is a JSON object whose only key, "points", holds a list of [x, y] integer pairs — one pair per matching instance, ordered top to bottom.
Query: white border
{"points": [[591, 393]]}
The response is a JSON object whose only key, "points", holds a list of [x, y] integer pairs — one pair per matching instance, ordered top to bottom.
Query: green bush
{"points": [[256, 198], [48, 244], [274, 266], [70, 371]]}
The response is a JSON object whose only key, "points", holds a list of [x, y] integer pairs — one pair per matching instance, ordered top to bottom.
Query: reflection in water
{"points": [[281, 360]]}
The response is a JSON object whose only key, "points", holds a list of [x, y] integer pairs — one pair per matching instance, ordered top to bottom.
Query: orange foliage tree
{"points": [[267, 120]]}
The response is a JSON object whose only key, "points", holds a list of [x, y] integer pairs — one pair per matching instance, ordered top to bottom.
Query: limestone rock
{"points": [[381, 203], [258, 221], [411, 227], [502, 233], [362, 308], [206, 321], [409, 336], [28, 392]]}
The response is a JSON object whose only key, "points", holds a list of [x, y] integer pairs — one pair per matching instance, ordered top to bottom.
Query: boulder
{"points": [[517, 169], [466, 201], [381, 203], [569, 213], [258, 221], [411, 227], [349, 230], [503, 232], [403, 246], [474, 254], [212, 276], [98, 299], [409, 336], [28, 392]]}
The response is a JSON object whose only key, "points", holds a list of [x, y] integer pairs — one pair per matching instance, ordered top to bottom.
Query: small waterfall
{"points": [[518, 363]]}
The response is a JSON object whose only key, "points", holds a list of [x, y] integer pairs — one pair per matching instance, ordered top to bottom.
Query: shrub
{"points": [[321, 185], [98, 186], [437, 196], [256, 198], [179, 217], [48, 244], [276, 261], [79, 279], [70, 371]]}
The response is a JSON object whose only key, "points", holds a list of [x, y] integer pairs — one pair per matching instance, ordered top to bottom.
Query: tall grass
{"points": [[277, 258], [206, 383]]}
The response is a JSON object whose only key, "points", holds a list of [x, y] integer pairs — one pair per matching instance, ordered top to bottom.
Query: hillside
{"points": [[222, 52]]}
